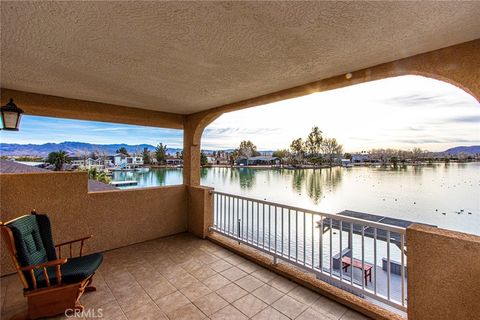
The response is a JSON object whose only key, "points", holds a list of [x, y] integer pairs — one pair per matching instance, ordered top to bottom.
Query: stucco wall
{"points": [[200, 205], [114, 218], [443, 274]]}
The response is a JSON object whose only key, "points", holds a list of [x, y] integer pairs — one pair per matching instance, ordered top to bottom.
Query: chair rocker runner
{"points": [[52, 284]]}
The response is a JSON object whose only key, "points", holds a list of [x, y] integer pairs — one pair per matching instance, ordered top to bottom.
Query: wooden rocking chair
{"points": [[52, 284]]}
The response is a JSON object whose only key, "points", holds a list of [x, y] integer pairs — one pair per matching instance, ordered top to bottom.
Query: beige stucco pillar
{"points": [[192, 134], [200, 199], [443, 274]]}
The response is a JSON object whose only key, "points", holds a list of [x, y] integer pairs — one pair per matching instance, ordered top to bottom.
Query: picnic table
{"points": [[347, 262]]}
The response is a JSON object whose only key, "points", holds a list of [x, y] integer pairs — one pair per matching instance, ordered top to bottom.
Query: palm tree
{"points": [[161, 153], [58, 159], [98, 176]]}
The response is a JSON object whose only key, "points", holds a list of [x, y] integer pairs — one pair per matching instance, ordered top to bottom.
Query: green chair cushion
{"points": [[28, 241], [34, 243], [74, 270]]}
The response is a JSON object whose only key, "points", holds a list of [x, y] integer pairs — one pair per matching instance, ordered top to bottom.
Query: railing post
{"points": [[238, 229]]}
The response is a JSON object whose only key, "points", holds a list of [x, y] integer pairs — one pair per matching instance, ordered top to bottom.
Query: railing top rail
{"points": [[361, 222]]}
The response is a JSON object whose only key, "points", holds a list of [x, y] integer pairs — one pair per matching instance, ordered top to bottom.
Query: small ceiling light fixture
{"points": [[348, 76], [11, 115]]}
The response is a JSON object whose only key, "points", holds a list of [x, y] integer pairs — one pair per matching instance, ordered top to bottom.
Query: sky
{"points": [[401, 112]]}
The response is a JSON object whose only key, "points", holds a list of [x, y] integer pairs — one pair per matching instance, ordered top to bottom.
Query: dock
{"points": [[124, 183], [369, 231]]}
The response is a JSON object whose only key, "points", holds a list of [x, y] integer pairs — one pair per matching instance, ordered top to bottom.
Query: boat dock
{"points": [[124, 183]]}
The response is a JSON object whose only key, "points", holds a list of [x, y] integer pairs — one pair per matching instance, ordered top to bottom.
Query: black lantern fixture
{"points": [[11, 115]]}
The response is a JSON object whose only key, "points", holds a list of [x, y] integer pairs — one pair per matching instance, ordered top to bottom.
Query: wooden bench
{"points": [[347, 262]]}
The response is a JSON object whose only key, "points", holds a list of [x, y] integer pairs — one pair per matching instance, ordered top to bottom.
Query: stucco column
{"points": [[192, 134], [191, 159]]}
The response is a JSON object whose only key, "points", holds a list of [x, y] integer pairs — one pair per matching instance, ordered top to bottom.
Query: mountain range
{"points": [[72, 148], [80, 148], [463, 149]]}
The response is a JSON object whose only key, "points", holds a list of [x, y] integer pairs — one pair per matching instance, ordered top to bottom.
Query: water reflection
{"points": [[308, 181], [445, 195]]}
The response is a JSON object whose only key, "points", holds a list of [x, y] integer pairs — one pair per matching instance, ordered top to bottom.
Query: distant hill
{"points": [[72, 148], [80, 148], [463, 149]]}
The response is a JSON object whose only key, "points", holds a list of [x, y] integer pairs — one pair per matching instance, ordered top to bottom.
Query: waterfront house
{"points": [[360, 157], [258, 161], [126, 162], [174, 162], [89, 163], [173, 251]]}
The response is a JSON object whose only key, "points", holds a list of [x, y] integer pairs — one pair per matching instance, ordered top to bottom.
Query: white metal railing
{"points": [[364, 257]]}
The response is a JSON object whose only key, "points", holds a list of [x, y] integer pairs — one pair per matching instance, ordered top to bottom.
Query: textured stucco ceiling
{"points": [[187, 57]]}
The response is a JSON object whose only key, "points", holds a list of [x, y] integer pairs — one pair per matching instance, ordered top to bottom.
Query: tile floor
{"points": [[182, 277]]}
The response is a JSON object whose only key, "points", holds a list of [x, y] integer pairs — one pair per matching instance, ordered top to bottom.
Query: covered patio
{"points": [[182, 65], [184, 277]]}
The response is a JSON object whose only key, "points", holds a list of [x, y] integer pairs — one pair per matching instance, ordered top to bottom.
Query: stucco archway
{"points": [[458, 65]]}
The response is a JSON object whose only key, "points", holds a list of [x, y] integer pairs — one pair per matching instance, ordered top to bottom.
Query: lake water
{"points": [[445, 195]]}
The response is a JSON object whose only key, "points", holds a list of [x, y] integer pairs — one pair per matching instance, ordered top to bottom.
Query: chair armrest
{"points": [[81, 240], [72, 241], [54, 263], [44, 265]]}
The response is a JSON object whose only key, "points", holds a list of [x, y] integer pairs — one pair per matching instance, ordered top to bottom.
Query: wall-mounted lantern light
{"points": [[11, 115]]}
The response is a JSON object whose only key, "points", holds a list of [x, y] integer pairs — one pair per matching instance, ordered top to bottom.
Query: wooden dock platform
{"points": [[124, 183]]}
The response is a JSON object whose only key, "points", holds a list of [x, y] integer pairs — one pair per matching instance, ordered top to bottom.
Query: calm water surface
{"points": [[445, 195]]}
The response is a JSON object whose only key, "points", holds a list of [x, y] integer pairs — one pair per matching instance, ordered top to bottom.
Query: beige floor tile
{"points": [[222, 253], [208, 258], [235, 260], [191, 264], [220, 265], [246, 266], [172, 271], [203, 272], [233, 273], [264, 275], [169, 277], [183, 281], [216, 282], [249, 283], [282, 284], [158, 288], [126, 291], [195, 291], [231, 292], [268, 294], [304, 295], [97, 298], [134, 300], [171, 302], [210, 303], [250, 305], [289, 306], [329, 307], [16, 311], [112, 311], [149, 311], [186, 312], [228, 313], [270, 313], [311, 314], [352, 315]]}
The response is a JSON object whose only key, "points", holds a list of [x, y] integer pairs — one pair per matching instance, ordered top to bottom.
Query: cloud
{"points": [[420, 100], [467, 119], [110, 129], [415, 129], [238, 131], [438, 140]]}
